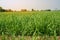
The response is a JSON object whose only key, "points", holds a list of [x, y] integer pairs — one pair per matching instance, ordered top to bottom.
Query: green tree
{"points": [[2, 10]]}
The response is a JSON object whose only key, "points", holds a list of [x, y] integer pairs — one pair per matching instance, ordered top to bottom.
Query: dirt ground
{"points": [[28, 38]]}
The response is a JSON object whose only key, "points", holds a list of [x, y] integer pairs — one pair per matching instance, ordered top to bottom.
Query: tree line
{"points": [[5, 10], [23, 10]]}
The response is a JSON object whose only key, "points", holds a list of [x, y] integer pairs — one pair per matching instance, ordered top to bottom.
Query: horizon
{"points": [[30, 4]]}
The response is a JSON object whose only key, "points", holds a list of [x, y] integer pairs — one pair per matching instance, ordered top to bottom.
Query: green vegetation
{"points": [[39, 23]]}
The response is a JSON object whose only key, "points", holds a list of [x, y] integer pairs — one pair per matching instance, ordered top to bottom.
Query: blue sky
{"points": [[29, 4]]}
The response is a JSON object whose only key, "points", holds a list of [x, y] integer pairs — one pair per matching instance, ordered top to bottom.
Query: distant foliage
{"points": [[2, 10], [5, 10], [9, 10], [23, 10], [33, 10], [48, 10]]}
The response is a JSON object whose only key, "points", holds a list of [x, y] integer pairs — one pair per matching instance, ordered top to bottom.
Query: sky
{"points": [[29, 4]]}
